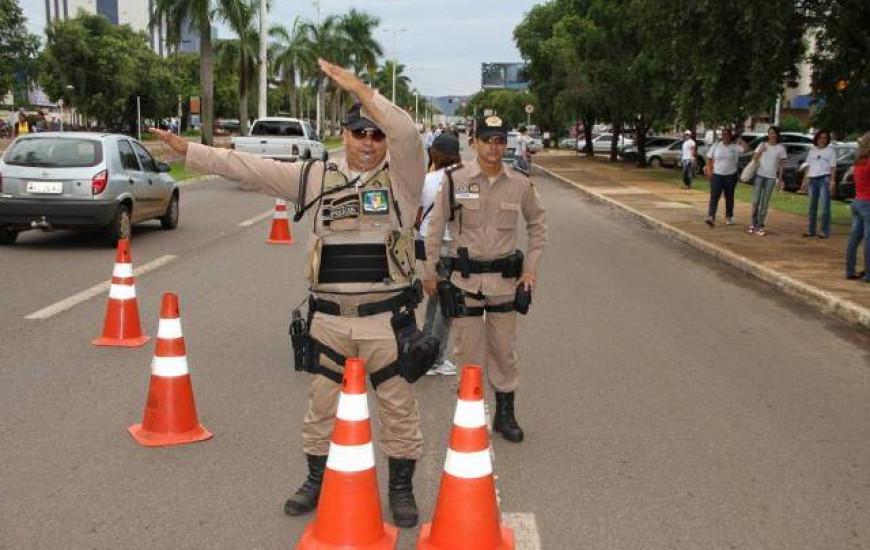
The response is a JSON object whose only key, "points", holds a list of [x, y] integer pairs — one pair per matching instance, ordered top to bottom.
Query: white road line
{"points": [[255, 219], [95, 290], [525, 529]]}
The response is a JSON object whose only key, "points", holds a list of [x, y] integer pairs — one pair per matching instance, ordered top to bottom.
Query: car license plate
{"points": [[55, 187]]}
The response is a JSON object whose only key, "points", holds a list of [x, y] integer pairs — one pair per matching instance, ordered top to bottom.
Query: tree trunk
{"points": [[206, 79], [243, 96], [319, 107], [588, 122], [640, 134], [614, 144]]}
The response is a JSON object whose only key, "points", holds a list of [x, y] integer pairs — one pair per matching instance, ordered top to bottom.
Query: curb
{"points": [[826, 302]]}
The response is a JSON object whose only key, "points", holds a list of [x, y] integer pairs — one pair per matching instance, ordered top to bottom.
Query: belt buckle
{"points": [[350, 311]]}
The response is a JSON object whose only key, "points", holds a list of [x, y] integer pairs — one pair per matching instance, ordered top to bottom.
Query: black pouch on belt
{"points": [[420, 249], [451, 299], [522, 299], [417, 350]]}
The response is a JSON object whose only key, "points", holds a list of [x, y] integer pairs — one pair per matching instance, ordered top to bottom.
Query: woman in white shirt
{"points": [[769, 156], [722, 163], [820, 174]]}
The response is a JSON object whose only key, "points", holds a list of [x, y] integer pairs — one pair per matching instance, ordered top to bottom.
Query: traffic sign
{"points": [[530, 109]]}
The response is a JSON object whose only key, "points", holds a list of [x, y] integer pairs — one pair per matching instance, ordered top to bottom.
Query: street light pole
{"points": [[395, 57], [261, 110]]}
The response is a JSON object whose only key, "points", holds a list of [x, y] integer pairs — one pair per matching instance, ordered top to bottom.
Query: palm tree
{"points": [[198, 15], [241, 16], [326, 40], [364, 50], [291, 60], [384, 81]]}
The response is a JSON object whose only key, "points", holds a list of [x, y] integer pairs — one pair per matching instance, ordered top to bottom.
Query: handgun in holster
{"points": [[462, 264], [451, 299], [299, 340]]}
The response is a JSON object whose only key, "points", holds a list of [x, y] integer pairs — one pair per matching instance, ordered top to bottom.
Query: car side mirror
{"points": [[163, 167]]}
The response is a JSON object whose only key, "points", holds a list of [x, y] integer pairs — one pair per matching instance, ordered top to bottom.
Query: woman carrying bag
{"points": [[769, 157]]}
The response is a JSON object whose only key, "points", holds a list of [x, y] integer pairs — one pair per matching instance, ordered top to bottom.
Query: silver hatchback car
{"points": [[83, 180]]}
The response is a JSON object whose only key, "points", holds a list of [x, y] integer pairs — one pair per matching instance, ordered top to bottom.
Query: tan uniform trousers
{"points": [[489, 341], [400, 435]]}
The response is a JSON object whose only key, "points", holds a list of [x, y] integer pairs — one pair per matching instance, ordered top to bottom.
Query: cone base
{"points": [[279, 241], [121, 342], [151, 439], [387, 542], [423, 542]]}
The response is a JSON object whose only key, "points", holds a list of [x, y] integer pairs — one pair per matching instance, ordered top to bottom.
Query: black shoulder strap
{"points": [[453, 206], [301, 212], [427, 212]]}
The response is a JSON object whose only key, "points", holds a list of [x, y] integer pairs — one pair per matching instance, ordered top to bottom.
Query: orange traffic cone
{"points": [[280, 233], [122, 327], [170, 412], [349, 511], [466, 514]]}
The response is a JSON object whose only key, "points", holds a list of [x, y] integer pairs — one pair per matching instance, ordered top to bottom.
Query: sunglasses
{"points": [[376, 135], [495, 140]]}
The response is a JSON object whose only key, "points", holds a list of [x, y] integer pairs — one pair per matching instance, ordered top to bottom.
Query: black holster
{"points": [[451, 299], [522, 299], [300, 340], [417, 349]]}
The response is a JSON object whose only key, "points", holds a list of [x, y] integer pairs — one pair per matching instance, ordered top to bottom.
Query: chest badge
{"points": [[375, 202]]}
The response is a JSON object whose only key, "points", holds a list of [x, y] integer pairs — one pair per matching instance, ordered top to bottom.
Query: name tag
{"points": [[471, 191]]}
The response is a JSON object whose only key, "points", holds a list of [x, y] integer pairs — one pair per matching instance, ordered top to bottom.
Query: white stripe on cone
{"points": [[280, 215], [123, 271], [122, 292], [169, 329], [169, 367], [353, 407], [469, 414], [351, 458], [468, 465]]}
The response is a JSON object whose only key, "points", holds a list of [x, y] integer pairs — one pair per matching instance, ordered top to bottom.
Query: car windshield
{"points": [[285, 128], [55, 152]]}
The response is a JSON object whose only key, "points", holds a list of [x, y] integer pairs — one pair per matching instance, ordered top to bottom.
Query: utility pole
{"points": [[395, 58], [416, 105], [261, 108]]}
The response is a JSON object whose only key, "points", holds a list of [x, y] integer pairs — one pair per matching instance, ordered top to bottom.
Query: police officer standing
{"points": [[360, 271], [490, 280]]}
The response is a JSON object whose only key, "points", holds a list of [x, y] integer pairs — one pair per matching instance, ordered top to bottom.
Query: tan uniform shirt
{"points": [[280, 179], [487, 224]]}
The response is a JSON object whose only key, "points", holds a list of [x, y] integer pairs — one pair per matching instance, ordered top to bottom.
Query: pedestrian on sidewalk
{"points": [[689, 150], [523, 151], [445, 152], [770, 157], [722, 165], [820, 175], [860, 212], [490, 280]]}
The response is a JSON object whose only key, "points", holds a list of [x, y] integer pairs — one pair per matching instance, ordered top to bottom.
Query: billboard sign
{"points": [[504, 76]]}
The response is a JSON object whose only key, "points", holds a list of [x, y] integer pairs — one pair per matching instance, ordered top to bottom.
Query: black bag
{"points": [[418, 351]]}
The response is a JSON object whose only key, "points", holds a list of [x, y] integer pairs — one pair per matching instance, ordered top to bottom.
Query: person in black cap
{"points": [[444, 153], [361, 275], [489, 280]]}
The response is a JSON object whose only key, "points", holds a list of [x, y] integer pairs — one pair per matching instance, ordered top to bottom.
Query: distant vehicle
{"points": [[227, 125], [279, 138], [568, 143], [601, 144], [628, 153], [671, 155], [508, 157], [795, 165], [83, 180]]}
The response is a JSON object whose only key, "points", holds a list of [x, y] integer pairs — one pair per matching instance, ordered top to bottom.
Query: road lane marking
{"points": [[255, 219], [95, 290], [525, 529]]}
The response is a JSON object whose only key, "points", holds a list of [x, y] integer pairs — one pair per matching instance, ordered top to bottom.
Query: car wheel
{"points": [[655, 162], [169, 220], [122, 226], [7, 235]]}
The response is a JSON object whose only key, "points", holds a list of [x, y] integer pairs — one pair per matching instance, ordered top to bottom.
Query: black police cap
{"points": [[355, 121], [489, 126]]}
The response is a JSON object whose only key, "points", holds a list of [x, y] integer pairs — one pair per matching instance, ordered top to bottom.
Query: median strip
{"points": [[95, 290]]}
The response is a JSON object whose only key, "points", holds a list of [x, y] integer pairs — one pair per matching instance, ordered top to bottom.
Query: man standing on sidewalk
{"points": [[688, 159], [365, 208], [489, 280]]}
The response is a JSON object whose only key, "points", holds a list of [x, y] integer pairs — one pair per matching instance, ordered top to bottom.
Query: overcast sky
{"points": [[443, 45]]}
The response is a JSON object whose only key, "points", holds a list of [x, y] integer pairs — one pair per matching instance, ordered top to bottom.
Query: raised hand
{"points": [[346, 80], [179, 144]]}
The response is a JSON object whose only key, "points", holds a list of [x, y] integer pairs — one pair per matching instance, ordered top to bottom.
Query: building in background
{"points": [[503, 76]]}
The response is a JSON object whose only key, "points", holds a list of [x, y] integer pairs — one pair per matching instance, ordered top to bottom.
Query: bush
{"points": [[792, 123]]}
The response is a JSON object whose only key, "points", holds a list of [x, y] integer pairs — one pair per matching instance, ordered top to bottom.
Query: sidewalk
{"points": [[810, 269]]}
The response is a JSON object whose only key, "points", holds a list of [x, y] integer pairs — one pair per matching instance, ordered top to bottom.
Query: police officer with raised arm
{"points": [[361, 275], [490, 280]]}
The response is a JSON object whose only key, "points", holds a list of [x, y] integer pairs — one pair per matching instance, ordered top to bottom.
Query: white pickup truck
{"points": [[286, 139]]}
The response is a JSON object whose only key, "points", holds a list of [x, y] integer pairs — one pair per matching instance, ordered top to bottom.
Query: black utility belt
{"points": [[510, 267], [407, 298], [452, 301]]}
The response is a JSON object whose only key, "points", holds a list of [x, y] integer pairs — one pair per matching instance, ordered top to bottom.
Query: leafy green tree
{"points": [[326, 40], [18, 47], [363, 49], [242, 51], [291, 59], [92, 64], [841, 75]]}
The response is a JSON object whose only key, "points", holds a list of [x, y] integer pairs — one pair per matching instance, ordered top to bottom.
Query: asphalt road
{"points": [[669, 402]]}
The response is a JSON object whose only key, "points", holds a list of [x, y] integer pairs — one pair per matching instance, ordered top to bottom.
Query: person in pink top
{"points": [[860, 212]]}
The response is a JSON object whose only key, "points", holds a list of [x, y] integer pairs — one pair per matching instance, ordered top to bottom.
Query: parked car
{"points": [[279, 138], [568, 143], [602, 143], [628, 153], [796, 155], [670, 156], [795, 165], [83, 180]]}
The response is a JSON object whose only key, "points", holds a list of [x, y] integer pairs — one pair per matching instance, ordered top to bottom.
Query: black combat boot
{"points": [[504, 421], [305, 498], [402, 502]]}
